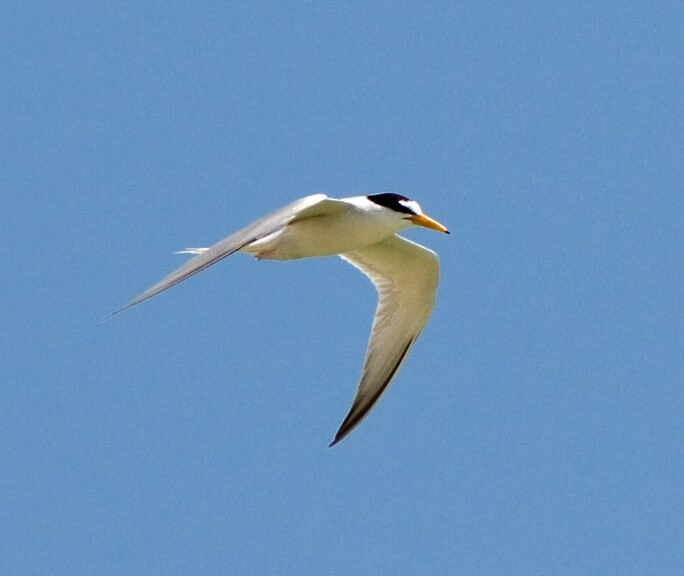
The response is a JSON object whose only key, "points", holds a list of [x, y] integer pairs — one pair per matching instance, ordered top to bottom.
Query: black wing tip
{"points": [[120, 310], [112, 314], [354, 418], [349, 423], [338, 437]]}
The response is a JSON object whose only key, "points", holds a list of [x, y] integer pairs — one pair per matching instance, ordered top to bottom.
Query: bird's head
{"points": [[407, 209]]}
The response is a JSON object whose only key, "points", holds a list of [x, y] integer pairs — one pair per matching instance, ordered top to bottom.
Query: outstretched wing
{"points": [[307, 207], [405, 275]]}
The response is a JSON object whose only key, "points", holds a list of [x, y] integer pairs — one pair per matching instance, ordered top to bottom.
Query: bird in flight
{"points": [[363, 231]]}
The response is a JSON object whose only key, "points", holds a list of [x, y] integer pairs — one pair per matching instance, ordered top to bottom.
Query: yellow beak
{"points": [[423, 220]]}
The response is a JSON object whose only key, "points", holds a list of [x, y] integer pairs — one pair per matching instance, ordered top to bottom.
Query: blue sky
{"points": [[536, 428]]}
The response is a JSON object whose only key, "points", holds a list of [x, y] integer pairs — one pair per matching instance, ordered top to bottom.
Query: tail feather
{"points": [[192, 251]]}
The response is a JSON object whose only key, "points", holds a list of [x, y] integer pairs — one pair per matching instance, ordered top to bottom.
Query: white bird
{"points": [[362, 230]]}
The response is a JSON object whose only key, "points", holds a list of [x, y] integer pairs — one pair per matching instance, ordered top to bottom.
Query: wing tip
{"points": [[117, 311], [357, 414], [351, 421], [338, 438]]}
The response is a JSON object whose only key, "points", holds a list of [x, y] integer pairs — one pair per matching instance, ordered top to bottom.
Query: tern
{"points": [[363, 231]]}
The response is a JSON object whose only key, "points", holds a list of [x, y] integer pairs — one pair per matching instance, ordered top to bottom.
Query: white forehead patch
{"points": [[411, 205]]}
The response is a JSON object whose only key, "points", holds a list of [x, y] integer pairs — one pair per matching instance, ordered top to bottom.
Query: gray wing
{"points": [[307, 207], [405, 275]]}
